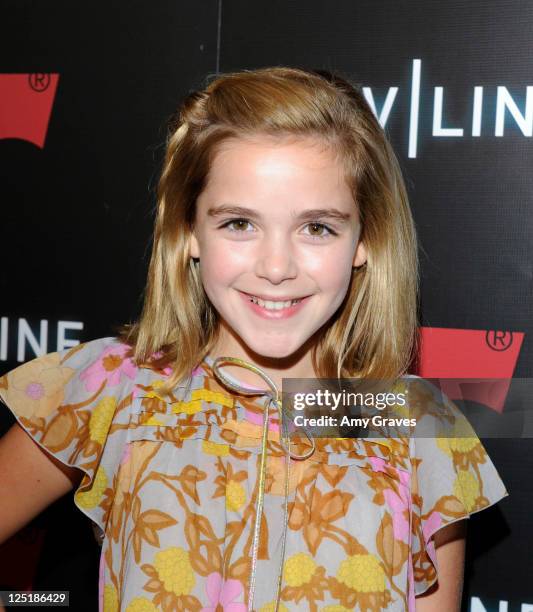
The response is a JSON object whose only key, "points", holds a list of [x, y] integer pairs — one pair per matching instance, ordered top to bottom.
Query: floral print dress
{"points": [[171, 484]]}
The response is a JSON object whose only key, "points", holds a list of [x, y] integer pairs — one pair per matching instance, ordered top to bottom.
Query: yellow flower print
{"points": [[153, 394], [212, 396], [194, 405], [191, 407], [101, 418], [153, 420], [457, 444], [444, 445], [463, 445], [214, 448], [466, 488], [235, 495], [91, 498], [299, 569], [174, 570], [362, 573], [110, 598], [141, 604], [271, 607], [334, 608]]}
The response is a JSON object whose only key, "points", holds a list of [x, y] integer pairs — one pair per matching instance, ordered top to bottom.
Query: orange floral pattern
{"points": [[172, 485]]}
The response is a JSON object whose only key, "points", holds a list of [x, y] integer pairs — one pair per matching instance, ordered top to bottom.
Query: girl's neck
{"points": [[298, 365]]}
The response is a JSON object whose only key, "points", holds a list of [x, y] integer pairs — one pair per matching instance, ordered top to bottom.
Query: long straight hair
{"points": [[374, 332]]}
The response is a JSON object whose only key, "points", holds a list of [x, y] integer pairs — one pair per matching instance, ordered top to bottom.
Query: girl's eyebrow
{"points": [[306, 215]]}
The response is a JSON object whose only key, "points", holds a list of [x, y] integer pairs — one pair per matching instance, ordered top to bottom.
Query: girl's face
{"points": [[275, 223]]}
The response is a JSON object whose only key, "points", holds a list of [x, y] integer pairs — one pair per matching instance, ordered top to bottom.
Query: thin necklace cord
{"points": [[273, 396]]}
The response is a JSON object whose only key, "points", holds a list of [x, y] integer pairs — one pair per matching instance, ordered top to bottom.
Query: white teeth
{"points": [[268, 305]]}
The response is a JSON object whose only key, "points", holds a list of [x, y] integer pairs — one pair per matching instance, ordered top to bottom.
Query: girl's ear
{"points": [[194, 247], [360, 255]]}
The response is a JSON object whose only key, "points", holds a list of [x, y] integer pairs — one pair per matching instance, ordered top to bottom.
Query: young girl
{"points": [[284, 247]]}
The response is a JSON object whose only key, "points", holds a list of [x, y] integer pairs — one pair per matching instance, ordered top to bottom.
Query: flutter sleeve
{"points": [[75, 405], [453, 476]]}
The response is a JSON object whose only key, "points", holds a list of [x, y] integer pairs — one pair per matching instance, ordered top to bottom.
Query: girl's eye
{"points": [[239, 224], [320, 227]]}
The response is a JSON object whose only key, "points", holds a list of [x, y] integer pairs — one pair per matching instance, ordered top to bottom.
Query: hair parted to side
{"points": [[374, 332]]}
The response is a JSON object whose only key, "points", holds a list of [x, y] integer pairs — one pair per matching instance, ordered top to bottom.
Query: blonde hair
{"points": [[373, 334]]}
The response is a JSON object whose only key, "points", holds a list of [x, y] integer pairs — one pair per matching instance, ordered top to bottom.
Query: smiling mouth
{"points": [[272, 304]]}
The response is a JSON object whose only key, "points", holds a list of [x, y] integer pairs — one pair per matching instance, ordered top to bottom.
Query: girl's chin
{"points": [[267, 351], [270, 354]]}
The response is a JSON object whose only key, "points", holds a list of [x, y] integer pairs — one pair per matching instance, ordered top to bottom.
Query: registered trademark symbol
{"points": [[39, 81], [499, 340]]}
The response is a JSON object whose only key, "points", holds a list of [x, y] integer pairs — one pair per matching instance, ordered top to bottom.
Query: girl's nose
{"points": [[275, 260]]}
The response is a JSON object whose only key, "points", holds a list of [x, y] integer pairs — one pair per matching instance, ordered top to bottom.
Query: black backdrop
{"points": [[77, 211]]}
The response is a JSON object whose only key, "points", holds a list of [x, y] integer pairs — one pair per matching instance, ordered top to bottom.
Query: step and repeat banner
{"points": [[85, 94]]}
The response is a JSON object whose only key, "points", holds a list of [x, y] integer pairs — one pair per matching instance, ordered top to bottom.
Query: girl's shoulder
{"points": [[100, 367], [77, 404]]}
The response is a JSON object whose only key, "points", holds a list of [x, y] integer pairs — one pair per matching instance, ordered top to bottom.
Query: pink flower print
{"points": [[110, 367], [197, 371], [35, 390], [257, 419], [397, 502], [400, 524], [429, 527], [223, 593]]}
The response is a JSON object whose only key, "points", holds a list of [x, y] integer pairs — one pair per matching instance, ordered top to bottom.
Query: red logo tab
{"points": [[26, 102], [472, 354]]}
